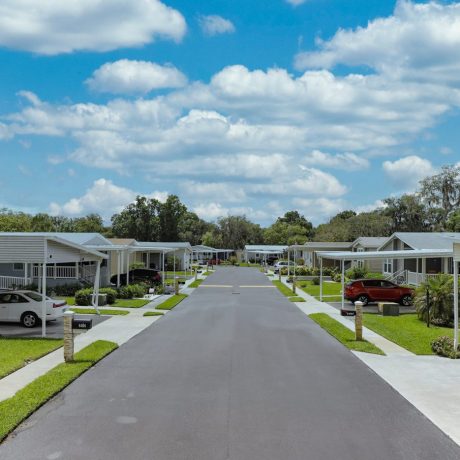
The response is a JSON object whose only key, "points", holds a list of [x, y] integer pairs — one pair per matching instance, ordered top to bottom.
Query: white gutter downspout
{"points": [[45, 257], [96, 287]]}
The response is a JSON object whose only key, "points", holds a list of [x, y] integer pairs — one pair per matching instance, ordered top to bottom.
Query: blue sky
{"points": [[237, 107]]}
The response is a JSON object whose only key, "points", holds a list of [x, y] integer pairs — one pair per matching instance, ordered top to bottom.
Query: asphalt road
{"points": [[232, 373]]}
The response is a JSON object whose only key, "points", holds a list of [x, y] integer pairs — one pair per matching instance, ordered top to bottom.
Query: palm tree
{"points": [[440, 292]]}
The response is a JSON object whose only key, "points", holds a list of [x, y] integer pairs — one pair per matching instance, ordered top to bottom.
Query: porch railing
{"points": [[56, 271], [415, 279], [7, 282]]}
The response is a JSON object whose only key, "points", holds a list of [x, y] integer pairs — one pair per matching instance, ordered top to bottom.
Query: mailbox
{"points": [[348, 312], [82, 324]]}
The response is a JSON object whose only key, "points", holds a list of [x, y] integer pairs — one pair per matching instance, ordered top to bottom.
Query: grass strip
{"points": [[207, 273], [195, 283], [283, 288], [330, 289], [296, 299], [130, 303], [170, 303], [92, 311], [153, 313], [407, 331], [344, 335], [18, 352], [26, 401]]}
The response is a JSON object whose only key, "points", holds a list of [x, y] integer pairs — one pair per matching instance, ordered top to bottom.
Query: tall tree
{"points": [[442, 191], [170, 214], [139, 220], [90, 223], [192, 229], [237, 231]]}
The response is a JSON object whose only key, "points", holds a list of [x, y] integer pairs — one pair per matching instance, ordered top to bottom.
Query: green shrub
{"points": [[233, 260], [300, 261], [136, 265], [284, 271], [301, 271], [356, 273], [375, 275], [337, 277], [315, 281], [132, 290], [111, 294], [83, 297], [444, 346]]}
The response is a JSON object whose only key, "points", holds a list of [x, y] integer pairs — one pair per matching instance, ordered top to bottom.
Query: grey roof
{"points": [[93, 239], [428, 240], [371, 241], [159, 244], [323, 244], [265, 247], [375, 255]]}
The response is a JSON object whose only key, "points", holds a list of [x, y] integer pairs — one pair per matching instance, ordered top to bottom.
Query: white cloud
{"points": [[215, 25], [57, 26], [420, 40], [126, 76], [346, 161], [408, 171], [317, 182], [223, 191], [103, 197], [370, 207], [319, 209], [210, 211]]}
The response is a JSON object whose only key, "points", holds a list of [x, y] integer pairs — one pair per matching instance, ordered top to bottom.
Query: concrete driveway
{"points": [[54, 329], [234, 372]]}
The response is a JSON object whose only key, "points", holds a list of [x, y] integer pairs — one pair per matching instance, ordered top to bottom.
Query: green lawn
{"points": [[178, 273], [207, 273], [170, 281], [195, 283], [283, 288], [329, 289], [296, 299], [130, 303], [170, 303], [92, 311], [153, 313], [407, 331], [343, 334], [16, 353], [26, 401]]}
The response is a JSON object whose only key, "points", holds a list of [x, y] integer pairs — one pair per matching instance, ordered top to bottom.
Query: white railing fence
{"points": [[56, 271], [399, 277], [416, 279], [7, 282]]}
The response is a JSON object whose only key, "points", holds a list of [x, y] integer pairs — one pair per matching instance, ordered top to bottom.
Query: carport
{"points": [[44, 249], [349, 256]]}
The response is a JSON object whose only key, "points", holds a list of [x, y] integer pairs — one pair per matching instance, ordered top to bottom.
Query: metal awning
{"points": [[407, 254]]}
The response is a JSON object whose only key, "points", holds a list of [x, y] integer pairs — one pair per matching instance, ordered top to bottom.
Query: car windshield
{"points": [[34, 296]]}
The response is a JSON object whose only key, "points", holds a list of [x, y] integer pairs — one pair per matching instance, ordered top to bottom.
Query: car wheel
{"points": [[363, 298], [406, 301], [29, 319]]}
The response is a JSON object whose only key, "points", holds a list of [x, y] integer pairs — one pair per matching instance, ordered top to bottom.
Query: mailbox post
{"points": [[293, 284], [176, 285], [359, 320], [68, 336]]}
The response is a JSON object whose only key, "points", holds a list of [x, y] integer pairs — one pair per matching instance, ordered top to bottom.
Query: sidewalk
{"points": [[430, 383]]}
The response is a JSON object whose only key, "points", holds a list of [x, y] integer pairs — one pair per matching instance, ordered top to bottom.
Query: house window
{"points": [[388, 266], [18, 267]]}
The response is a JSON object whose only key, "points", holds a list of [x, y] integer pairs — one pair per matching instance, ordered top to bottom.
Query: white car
{"points": [[282, 264], [25, 307]]}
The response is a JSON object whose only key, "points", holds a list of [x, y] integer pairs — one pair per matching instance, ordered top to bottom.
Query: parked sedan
{"points": [[282, 264], [139, 275], [373, 290], [25, 307]]}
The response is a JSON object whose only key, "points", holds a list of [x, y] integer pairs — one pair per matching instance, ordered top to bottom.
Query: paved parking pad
{"points": [[54, 329], [236, 377]]}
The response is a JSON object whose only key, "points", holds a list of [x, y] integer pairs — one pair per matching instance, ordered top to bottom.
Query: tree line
{"points": [[434, 206]]}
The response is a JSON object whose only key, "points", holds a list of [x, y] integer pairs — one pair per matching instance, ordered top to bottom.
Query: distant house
{"points": [[367, 244], [308, 251], [260, 252], [151, 253], [416, 270]]}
